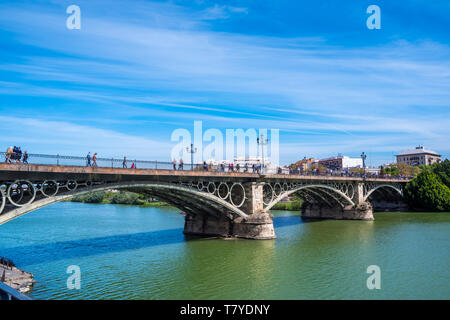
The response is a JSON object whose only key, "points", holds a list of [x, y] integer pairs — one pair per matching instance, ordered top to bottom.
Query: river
{"points": [[127, 252]]}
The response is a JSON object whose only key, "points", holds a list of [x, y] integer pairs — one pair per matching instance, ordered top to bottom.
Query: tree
{"points": [[407, 169], [392, 170], [443, 171], [427, 191], [91, 197], [125, 197]]}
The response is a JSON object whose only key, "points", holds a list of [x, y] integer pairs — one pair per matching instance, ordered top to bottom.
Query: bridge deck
{"points": [[9, 171]]}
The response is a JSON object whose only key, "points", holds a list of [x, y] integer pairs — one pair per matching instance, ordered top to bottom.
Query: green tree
{"points": [[408, 170], [393, 171], [443, 171], [427, 191], [91, 197], [126, 197]]}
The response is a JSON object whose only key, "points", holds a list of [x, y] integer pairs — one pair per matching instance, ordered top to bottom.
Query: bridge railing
{"points": [[62, 160]]}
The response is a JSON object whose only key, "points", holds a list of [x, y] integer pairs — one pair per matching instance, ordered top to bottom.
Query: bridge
{"points": [[228, 204]]}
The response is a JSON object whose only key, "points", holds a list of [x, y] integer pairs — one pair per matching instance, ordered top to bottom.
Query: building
{"points": [[418, 156], [341, 162], [304, 164]]}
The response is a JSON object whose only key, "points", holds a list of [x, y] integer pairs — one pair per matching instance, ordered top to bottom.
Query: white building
{"points": [[418, 156], [341, 162]]}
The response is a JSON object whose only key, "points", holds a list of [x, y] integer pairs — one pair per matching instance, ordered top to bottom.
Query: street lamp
{"points": [[262, 142], [191, 150], [363, 157]]}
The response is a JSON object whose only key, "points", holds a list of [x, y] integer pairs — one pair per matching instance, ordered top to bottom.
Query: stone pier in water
{"points": [[258, 225]]}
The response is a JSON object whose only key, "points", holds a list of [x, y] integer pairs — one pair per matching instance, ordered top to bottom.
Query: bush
{"points": [[429, 190], [92, 197], [126, 197], [294, 205]]}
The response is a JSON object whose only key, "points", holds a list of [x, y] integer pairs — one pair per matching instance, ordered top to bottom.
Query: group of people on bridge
{"points": [[14, 154], [90, 158], [125, 164], [231, 167]]}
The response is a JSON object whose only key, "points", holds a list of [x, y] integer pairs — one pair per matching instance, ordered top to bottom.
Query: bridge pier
{"points": [[380, 205], [362, 211], [258, 225]]}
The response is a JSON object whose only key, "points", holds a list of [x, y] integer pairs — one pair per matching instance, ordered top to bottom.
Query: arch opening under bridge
{"points": [[320, 193], [22, 197]]}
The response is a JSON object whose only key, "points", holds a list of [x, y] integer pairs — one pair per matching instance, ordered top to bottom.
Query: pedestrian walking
{"points": [[19, 154], [8, 155], [25, 157], [88, 160], [94, 160], [174, 162], [124, 163], [180, 166]]}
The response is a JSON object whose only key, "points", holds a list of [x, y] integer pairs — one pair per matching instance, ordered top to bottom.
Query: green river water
{"points": [[127, 252]]}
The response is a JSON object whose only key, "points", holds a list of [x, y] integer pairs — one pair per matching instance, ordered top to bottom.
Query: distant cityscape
{"points": [[341, 163]]}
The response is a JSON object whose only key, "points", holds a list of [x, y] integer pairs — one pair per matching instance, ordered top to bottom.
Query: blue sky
{"points": [[137, 70]]}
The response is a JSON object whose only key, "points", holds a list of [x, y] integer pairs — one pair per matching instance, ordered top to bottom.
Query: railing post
{"points": [[57, 159], [112, 162]]}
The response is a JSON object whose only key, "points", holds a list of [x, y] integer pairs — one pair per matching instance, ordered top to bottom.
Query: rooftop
{"points": [[417, 150], [336, 158]]}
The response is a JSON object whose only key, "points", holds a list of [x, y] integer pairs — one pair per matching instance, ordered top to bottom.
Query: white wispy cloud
{"points": [[65, 138]]}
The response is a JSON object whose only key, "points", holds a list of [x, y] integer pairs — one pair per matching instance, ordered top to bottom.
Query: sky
{"points": [[138, 70]]}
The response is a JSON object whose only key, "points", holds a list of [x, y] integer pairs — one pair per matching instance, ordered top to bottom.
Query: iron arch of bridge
{"points": [[392, 187], [330, 191], [185, 198], [3, 200]]}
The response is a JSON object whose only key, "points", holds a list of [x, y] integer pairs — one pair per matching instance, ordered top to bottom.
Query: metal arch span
{"points": [[382, 186], [287, 193], [206, 197], [3, 200]]}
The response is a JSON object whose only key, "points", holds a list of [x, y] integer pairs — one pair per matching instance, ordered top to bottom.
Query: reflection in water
{"points": [[48, 252], [140, 253]]}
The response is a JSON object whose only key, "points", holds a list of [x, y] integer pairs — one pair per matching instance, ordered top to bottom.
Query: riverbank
{"points": [[119, 197], [142, 200], [288, 206], [16, 278]]}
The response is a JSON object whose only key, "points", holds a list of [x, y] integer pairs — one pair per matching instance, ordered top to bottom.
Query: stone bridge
{"points": [[216, 203]]}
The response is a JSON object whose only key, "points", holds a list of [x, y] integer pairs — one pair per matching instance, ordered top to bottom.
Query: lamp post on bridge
{"points": [[263, 142], [191, 150], [363, 157]]}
